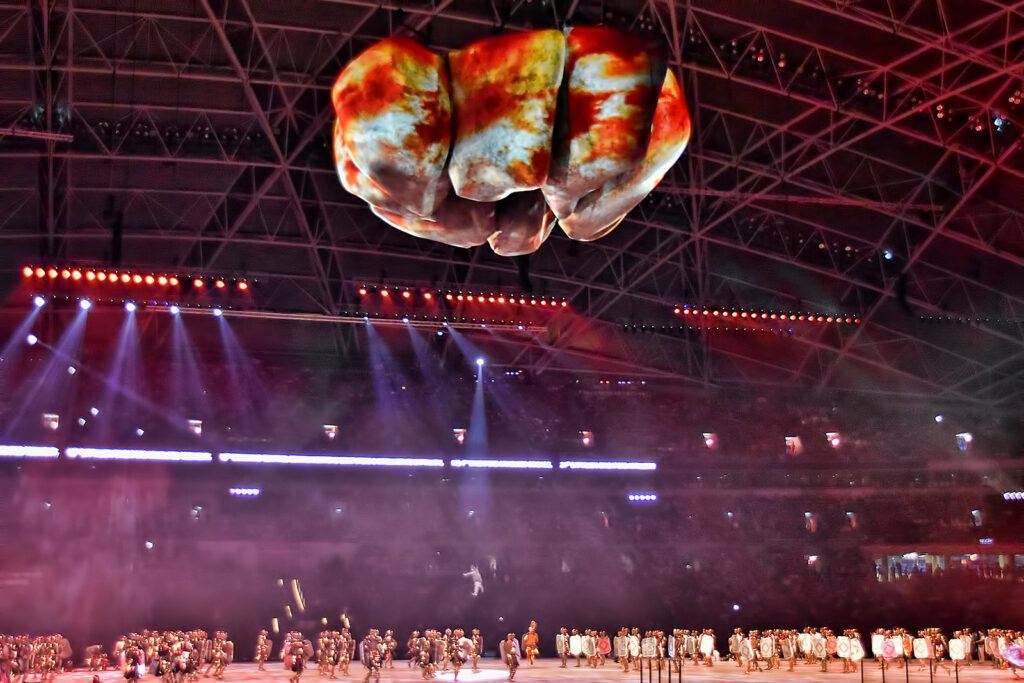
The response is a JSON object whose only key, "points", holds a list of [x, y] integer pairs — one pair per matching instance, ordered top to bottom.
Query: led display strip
{"points": [[129, 277], [29, 452], [133, 454], [337, 460], [505, 464], [594, 465]]}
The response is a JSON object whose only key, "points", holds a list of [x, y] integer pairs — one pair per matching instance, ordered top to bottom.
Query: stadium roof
{"points": [[859, 157]]}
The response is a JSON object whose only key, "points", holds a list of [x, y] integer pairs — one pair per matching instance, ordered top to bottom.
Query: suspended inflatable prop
{"points": [[510, 135], [1014, 654]]}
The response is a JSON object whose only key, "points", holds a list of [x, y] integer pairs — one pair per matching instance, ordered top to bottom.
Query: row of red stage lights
{"points": [[76, 275], [474, 298], [752, 315]]}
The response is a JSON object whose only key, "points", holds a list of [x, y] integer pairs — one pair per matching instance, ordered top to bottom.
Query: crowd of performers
{"points": [[184, 657]]}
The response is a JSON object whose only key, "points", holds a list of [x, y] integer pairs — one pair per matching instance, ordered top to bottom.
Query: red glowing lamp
{"points": [[27, 271], [198, 284], [385, 293]]}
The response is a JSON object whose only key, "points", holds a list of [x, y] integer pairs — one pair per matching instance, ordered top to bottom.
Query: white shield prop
{"points": [[804, 642], [877, 643], [560, 644], [1001, 644], [575, 645], [691, 645], [706, 645], [589, 646], [621, 646], [634, 646], [897, 646], [649, 647], [671, 647], [767, 647], [843, 647], [819, 648], [747, 649], [787, 649], [856, 649], [923, 649], [957, 651]]}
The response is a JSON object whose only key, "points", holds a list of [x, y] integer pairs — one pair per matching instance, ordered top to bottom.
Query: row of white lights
{"points": [[130, 306], [336, 460], [1013, 495], [642, 497]]}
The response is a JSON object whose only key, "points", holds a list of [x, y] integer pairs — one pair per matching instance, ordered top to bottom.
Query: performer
{"points": [[478, 581], [735, 641], [531, 643], [562, 645], [706, 646], [263, 647], [346, 647], [604, 647], [412, 648], [478, 648], [389, 649], [299, 650], [510, 653], [223, 654], [456, 654], [372, 657], [426, 663]]}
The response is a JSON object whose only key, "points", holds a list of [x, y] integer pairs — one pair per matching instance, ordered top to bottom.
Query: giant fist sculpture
{"points": [[510, 136]]}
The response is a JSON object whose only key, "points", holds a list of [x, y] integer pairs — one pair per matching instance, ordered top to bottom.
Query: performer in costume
{"points": [[735, 641], [531, 643], [562, 646], [263, 647], [604, 647], [412, 648], [478, 648], [389, 649], [510, 653], [456, 654]]}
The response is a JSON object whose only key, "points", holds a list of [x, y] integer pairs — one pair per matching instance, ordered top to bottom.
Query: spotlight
{"points": [[887, 254], [27, 271], [40, 272], [52, 272], [65, 274], [76, 275], [101, 276], [126, 278], [137, 279], [150, 280], [162, 280], [172, 281], [198, 284], [219, 284], [244, 286], [362, 291], [385, 293], [406, 294], [428, 296], [39, 301], [85, 304], [130, 307], [174, 310], [217, 313], [405, 320], [440, 333], [32, 340], [479, 362], [72, 370], [94, 411], [51, 421], [196, 427], [331, 431], [140, 432], [460, 435], [587, 437], [834, 439], [710, 440], [963, 440], [247, 492], [149, 545]]}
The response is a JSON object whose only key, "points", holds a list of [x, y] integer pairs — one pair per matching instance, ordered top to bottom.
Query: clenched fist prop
{"points": [[510, 135]]}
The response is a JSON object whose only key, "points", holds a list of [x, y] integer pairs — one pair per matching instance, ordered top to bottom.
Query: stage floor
{"points": [[548, 671]]}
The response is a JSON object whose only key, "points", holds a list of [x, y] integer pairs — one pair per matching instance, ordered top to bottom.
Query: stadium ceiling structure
{"points": [[860, 157]]}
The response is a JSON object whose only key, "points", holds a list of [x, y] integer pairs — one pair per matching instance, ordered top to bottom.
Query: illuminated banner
{"points": [[510, 136]]}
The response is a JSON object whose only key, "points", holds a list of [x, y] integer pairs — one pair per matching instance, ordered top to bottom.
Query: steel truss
{"points": [[203, 134]]}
